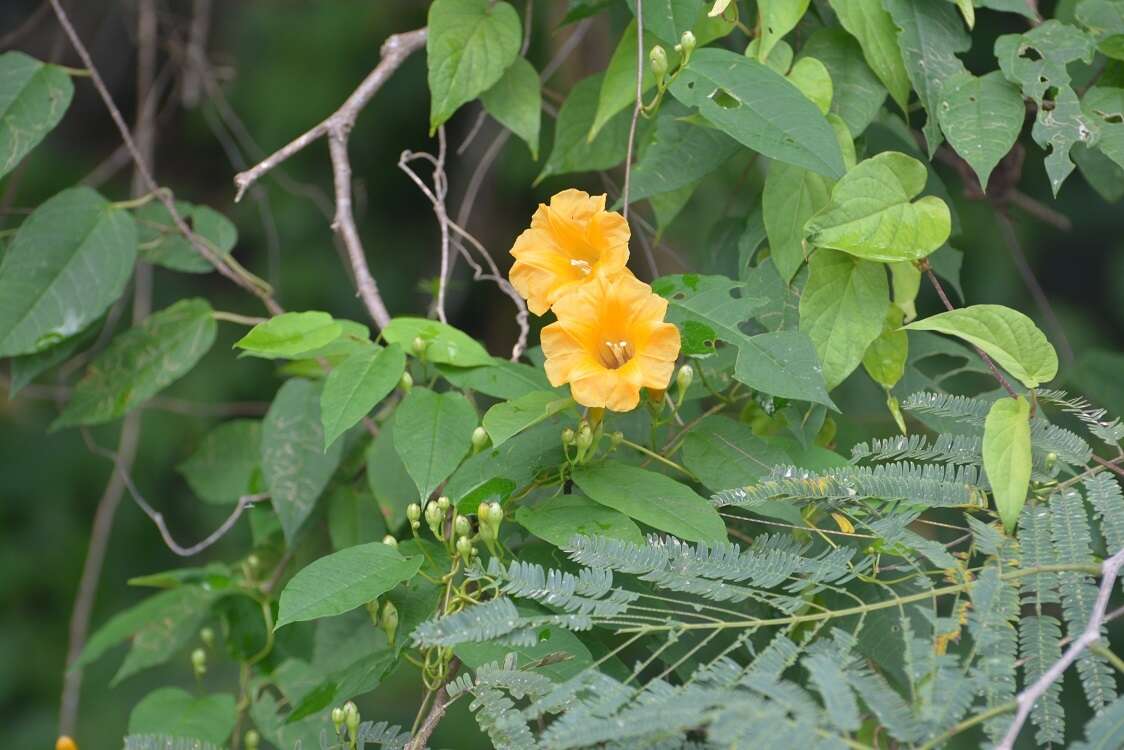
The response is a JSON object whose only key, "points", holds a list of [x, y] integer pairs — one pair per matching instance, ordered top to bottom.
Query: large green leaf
{"points": [[872, 26], [931, 35], [469, 46], [1038, 62], [857, 94], [33, 98], [516, 102], [1105, 106], [759, 108], [982, 118], [572, 150], [680, 154], [791, 197], [871, 215], [162, 243], [69, 261], [842, 309], [292, 335], [1008, 336], [444, 344], [140, 363], [780, 363], [357, 385], [509, 418], [432, 433], [1007, 456], [227, 463], [294, 463], [510, 466], [652, 499], [557, 519], [344, 580], [174, 712]]}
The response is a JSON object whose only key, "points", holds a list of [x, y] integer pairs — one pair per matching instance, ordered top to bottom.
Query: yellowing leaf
{"points": [[871, 215], [1008, 337], [1007, 456]]}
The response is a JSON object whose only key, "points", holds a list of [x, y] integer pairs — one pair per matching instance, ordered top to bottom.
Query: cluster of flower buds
{"points": [[686, 45], [436, 512], [490, 516], [199, 663], [347, 716]]}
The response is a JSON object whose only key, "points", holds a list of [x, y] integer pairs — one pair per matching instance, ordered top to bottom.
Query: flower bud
{"points": [[687, 43], [658, 60], [418, 346], [684, 378], [406, 382], [567, 436], [585, 437], [479, 439], [1050, 460], [443, 503], [413, 512], [433, 514], [495, 514], [461, 526], [390, 541], [464, 548], [253, 561], [373, 611], [389, 620], [207, 636], [199, 662], [338, 717], [351, 718], [251, 740]]}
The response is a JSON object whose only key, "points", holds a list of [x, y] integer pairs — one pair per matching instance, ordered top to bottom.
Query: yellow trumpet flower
{"points": [[569, 242], [610, 341]]}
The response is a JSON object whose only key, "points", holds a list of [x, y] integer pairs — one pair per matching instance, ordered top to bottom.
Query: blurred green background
{"points": [[279, 66]]}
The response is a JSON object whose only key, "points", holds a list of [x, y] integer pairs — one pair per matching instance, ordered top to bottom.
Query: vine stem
{"points": [[636, 106], [928, 269], [656, 456], [1025, 700], [436, 711]]}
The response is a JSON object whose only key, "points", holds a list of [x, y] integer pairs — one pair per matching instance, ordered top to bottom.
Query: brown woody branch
{"points": [[336, 128]]}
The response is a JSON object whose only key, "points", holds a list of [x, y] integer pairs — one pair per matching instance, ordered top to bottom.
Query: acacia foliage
{"points": [[709, 570]]}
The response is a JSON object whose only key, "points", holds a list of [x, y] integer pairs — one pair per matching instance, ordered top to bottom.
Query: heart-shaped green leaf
{"points": [[872, 215]]}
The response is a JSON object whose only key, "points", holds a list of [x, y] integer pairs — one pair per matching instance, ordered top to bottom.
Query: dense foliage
{"points": [[635, 529]]}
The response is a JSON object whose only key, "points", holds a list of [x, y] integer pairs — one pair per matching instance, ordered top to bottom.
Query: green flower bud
{"points": [[687, 43], [658, 60], [418, 346], [684, 377], [406, 383], [567, 436], [585, 437], [479, 439], [616, 439], [1050, 460], [443, 503], [482, 511], [413, 512], [433, 514], [495, 514], [461, 526], [390, 541], [464, 548], [253, 561], [373, 611], [389, 620], [207, 636], [199, 662], [338, 717], [351, 718], [251, 740]]}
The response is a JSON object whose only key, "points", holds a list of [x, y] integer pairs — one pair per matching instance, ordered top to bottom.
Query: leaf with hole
{"points": [[760, 109], [982, 118]]}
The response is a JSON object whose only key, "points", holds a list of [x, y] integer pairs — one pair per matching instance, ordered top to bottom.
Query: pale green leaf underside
{"points": [[292, 334], [1007, 336], [1007, 456]]}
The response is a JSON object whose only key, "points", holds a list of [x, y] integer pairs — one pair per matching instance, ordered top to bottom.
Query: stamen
{"points": [[583, 265], [620, 352]]}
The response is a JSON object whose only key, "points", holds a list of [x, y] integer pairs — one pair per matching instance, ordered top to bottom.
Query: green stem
{"points": [[138, 202], [246, 320], [666, 461], [1104, 651], [979, 718]]}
